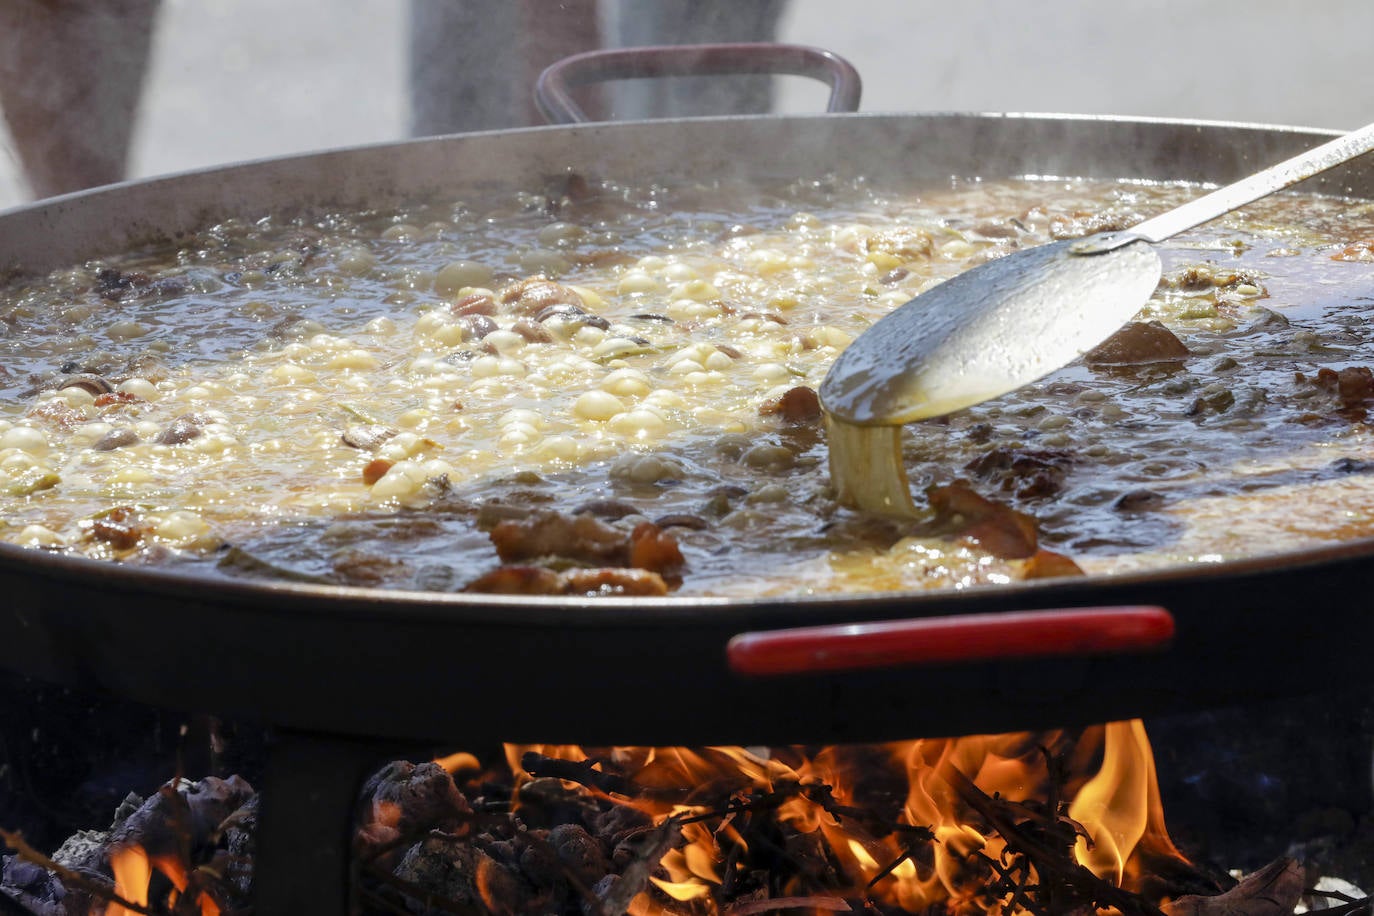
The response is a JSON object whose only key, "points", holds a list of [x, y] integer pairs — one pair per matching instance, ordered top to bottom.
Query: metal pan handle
{"points": [[551, 92], [965, 638]]}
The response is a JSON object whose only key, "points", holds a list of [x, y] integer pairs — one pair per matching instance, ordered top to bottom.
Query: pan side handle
{"points": [[552, 91], [957, 639]]}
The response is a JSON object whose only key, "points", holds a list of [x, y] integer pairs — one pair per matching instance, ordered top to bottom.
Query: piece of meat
{"points": [[1359, 252], [532, 296], [475, 304], [1138, 343], [1354, 385], [796, 405], [1029, 473], [122, 528], [998, 529], [551, 534], [584, 539], [652, 548], [1046, 564], [518, 580], [537, 580], [630, 582]]}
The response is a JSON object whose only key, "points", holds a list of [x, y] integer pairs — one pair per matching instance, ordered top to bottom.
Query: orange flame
{"points": [[918, 783], [1120, 806], [133, 870], [133, 873]]}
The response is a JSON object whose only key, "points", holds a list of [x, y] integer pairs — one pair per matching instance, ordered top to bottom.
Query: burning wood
{"points": [[1047, 824], [931, 827], [185, 850], [1271, 891]]}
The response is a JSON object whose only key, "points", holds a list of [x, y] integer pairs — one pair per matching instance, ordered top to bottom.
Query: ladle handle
{"points": [[1223, 200]]}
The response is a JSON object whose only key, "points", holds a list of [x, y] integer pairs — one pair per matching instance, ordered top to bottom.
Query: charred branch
{"points": [[584, 773], [1064, 879], [73, 880]]}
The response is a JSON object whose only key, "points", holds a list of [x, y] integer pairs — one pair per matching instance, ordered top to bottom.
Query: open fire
{"points": [[1063, 822], [1036, 823]]}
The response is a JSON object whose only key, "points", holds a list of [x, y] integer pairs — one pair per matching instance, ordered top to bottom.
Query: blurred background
{"points": [[231, 80]]}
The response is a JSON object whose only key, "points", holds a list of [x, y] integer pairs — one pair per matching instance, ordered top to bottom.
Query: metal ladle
{"points": [[1013, 320]]}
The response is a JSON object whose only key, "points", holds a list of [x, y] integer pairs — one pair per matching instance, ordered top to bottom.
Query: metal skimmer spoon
{"points": [[1008, 322]]}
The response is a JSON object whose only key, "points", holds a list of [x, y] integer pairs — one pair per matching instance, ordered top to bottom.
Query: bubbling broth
{"points": [[611, 390]]}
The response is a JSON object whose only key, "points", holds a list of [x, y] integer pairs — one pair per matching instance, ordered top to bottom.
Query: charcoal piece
{"points": [[406, 799], [545, 802], [130, 803], [183, 814], [618, 822], [240, 842], [87, 852], [504, 852], [580, 853], [808, 855], [637, 857], [539, 862], [443, 866], [35, 889], [605, 889], [502, 891]]}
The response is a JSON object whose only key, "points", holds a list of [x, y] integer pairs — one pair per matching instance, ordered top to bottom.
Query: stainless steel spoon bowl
{"points": [[1011, 321]]}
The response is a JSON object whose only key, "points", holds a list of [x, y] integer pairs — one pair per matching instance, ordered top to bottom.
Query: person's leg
{"points": [[680, 22], [553, 31], [473, 63], [464, 66], [71, 73]]}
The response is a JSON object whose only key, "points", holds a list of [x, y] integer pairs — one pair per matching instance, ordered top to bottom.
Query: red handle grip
{"points": [[552, 96], [946, 640]]}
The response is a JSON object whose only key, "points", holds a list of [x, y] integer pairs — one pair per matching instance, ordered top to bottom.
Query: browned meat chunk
{"points": [[1086, 222], [1360, 251], [534, 295], [474, 304], [1138, 343], [1354, 385], [796, 405], [183, 429], [1029, 473], [122, 528], [998, 529], [584, 539], [654, 549], [1046, 564], [518, 580], [536, 580], [638, 582]]}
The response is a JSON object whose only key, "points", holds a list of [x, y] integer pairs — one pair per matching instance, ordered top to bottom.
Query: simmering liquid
{"points": [[361, 398]]}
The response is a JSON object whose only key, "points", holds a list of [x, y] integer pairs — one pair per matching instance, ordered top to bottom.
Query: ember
{"points": [[1061, 822], [1009, 823], [184, 850]]}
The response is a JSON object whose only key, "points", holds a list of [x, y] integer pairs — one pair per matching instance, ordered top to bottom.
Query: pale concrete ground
{"points": [[243, 79]]}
